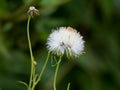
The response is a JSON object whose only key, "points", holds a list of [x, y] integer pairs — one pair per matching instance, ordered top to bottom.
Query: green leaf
{"points": [[25, 84]]}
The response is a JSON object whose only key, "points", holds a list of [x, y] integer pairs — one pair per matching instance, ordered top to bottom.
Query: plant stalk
{"points": [[56, 72]]}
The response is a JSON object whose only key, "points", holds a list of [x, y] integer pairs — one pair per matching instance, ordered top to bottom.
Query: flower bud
{"points": [[32, 11]]}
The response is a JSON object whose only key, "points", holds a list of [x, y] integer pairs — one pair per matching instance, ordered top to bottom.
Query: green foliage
{"points": [[97, 20]]}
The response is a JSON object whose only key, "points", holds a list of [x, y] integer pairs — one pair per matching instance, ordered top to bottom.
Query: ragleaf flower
{"points": [[66, 40]]}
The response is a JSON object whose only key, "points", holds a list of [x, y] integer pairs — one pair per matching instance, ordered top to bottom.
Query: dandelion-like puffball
{"points": [[65, 40]]}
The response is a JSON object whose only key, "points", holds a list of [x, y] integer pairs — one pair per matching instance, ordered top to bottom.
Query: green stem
{"points": [[31, 54], [43, 69], [56, 72], [68, 87]]}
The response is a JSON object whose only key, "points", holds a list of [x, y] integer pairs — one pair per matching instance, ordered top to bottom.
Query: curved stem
{"points": [[31, 54], [43, 69], [56, 72], [68, 87]]}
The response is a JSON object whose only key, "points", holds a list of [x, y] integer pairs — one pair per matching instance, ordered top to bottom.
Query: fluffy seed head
{"points": [[65, 39]]}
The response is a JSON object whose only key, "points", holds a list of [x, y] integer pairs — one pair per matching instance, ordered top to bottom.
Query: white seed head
{"points": [[32, 11], [65, 39]]}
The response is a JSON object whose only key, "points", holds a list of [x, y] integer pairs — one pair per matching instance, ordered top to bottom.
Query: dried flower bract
{"points": [[32, 11]]}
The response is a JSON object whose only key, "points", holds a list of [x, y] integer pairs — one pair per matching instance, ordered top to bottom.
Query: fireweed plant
{"points": [[64, 40], [34, 77]]}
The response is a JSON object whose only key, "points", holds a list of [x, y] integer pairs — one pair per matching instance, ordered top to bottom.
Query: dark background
{"points": [[98, 21]]}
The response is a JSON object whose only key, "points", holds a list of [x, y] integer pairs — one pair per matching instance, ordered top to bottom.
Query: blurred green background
{"points": [[97, 20]]}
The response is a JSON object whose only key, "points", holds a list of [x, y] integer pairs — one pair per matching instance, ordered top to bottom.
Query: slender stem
{"points": [[31, 54], [42, 71], [56, 72], [68, 87]]}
